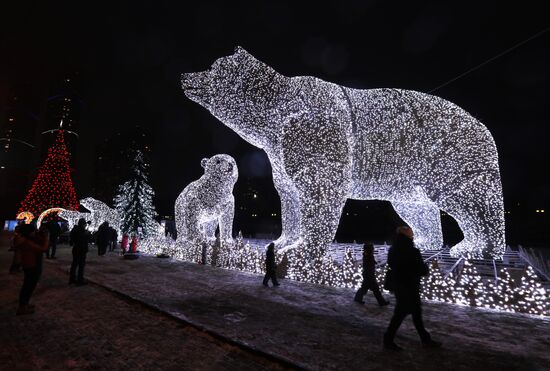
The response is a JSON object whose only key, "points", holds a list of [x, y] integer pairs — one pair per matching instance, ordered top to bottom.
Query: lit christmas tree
{"points": [[53, 186], [134, 201], [350, 270], [435, 286], [469, 288], [533, 295]]}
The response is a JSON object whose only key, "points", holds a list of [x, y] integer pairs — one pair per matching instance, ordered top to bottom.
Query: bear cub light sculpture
{"points": [[208, 203]]}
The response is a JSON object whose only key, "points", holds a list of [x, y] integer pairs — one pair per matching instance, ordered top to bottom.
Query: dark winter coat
{"points": [[54, 229], [113, 234], [103, 235], [79, 239], [31, 248], [270, 260], [406, 263], [369, 268], [407, 268]]}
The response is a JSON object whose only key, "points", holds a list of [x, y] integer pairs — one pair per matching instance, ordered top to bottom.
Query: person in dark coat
{"points": [[55, 232], [103, 238], [113, 238], [79, 239], [32, 246], [15, 266], [270, 266], [407, 266], [369, 279]]}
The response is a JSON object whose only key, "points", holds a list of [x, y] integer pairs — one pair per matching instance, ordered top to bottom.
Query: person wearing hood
{"points": [[79, 240], [407, 268]]}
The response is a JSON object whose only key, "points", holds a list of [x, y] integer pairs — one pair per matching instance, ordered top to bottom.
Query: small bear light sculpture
{"points": [[208, 203]]}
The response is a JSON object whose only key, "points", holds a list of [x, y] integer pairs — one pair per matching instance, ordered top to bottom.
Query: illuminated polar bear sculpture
{"points": [[327, 143], [208, 202], [101, 212], [72, 217]]}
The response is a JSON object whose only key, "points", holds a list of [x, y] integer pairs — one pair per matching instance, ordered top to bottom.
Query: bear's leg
{"points": [[478, 208], [320, 210], [290, 219], [425, 220], [226, 222], [290, 222], [319, 223], [189, 228], [210, 230]]}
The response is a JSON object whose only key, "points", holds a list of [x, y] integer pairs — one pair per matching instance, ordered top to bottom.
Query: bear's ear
{"points": [[240, 50], [204, 161]]}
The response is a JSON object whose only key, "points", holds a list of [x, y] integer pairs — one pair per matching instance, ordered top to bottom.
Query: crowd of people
{"points": [[30, 244], [405, 269]]}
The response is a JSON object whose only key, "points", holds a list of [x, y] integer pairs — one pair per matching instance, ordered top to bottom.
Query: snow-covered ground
{"points": [[320, 327]]}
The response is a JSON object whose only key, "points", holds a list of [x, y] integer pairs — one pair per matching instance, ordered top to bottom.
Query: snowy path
{"points": [[319, 327]]}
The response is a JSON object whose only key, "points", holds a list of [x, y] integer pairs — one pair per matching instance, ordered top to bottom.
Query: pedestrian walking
{"points": [[55, 231], [103, 236], [113, 238], [79, 239], [32, 245], [15, 266], [270, 266], [407, 267], [369, 278]]}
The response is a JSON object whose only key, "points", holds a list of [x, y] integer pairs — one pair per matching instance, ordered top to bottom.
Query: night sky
{"points": [[129, 58]]}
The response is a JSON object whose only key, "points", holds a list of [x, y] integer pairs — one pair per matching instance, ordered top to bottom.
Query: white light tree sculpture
{"points": [[327, 143], [134, 201]]}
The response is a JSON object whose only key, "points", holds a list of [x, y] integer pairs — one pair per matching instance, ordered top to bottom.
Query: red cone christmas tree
{"points": [[53, 186]]}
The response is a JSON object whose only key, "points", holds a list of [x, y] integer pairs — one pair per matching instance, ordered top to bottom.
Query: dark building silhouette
{"points": [[63, 104], [19, 130], [113, 159], [256, 208]]}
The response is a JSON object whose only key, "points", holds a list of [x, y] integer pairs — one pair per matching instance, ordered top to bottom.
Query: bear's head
{"points": [[235, 89], [222, 168], [91, 204]]}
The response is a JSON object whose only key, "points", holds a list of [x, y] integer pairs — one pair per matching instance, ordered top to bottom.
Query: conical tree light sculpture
{"points": [[53, 186]]}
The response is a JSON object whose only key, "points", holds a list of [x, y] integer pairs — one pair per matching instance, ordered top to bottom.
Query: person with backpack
{"points": [[270, 266]]}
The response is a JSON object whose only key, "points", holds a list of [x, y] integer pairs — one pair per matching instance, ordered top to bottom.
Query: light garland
{"points": [[327, 143], [207, 203], [45, 213], [26, 216]]}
